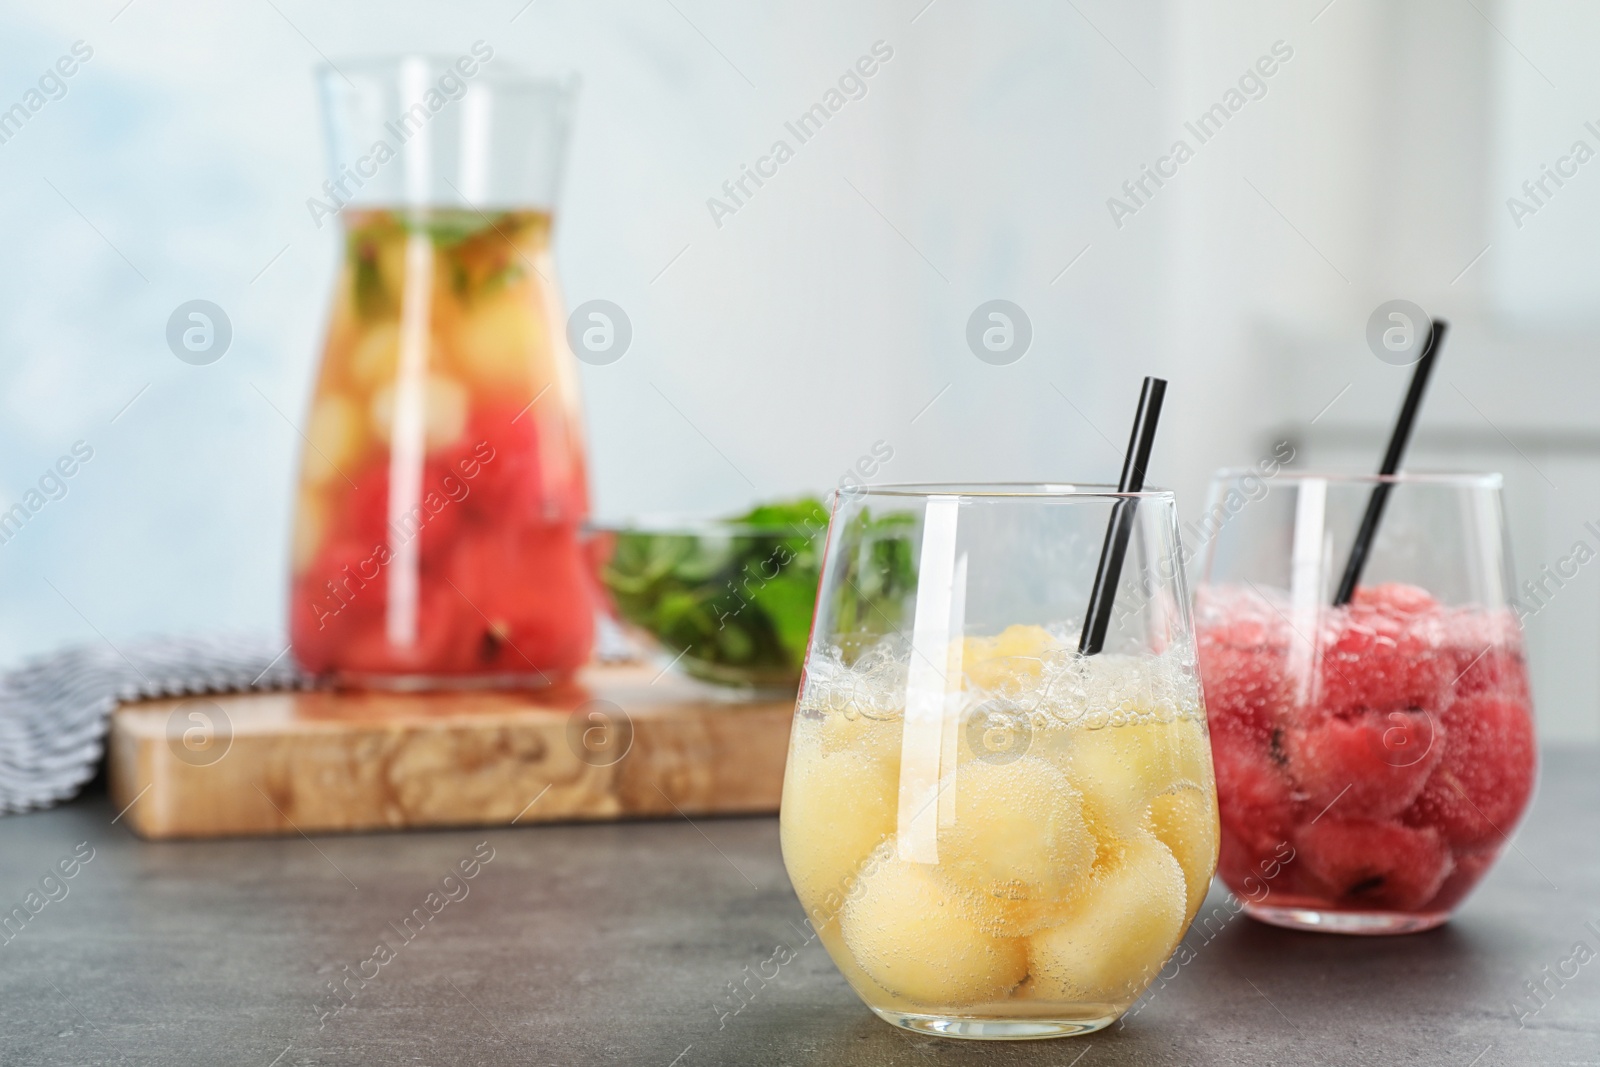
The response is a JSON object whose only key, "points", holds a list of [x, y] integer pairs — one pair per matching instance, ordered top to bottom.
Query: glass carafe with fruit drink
{"points": [[442, 484], [1376, 754], [993, 835]]}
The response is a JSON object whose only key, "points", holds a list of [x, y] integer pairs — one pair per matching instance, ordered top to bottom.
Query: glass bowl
{"points": [[729, 601]]}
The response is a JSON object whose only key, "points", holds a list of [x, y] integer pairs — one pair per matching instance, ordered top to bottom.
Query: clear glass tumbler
{"points": [[443, 486], [1374, 755], [993, 835]]}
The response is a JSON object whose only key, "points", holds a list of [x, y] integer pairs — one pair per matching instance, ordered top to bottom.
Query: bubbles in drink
{"points": [[1388, 747], [841, 785], [1185, 820], [1018, 832], [1039, 838], [918, 939], [1110, 942]]}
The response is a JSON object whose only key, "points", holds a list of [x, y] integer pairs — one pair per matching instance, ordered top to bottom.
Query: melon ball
{"points": [[391, 250], [502, 339], [376, 357], [444, 407], [334, 434], [310, 520], [1018, 640], [1009, 660], [853, 731], [1190, 741], [1164, 754], [1120, 768], [1114, 795], [837, 807], [1185, 820], [1019, 832], [1002, 916], [1114, 938], [917, 939]]}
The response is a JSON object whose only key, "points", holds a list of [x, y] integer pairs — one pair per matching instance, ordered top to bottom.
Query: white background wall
{"points": [[829, 311]]}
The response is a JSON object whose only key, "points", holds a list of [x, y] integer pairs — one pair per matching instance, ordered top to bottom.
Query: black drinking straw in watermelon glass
{"points": [[1398, 439], [1366, 688]]}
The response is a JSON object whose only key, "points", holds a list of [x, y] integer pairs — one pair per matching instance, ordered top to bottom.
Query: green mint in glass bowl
{"points": [[730, 601]]}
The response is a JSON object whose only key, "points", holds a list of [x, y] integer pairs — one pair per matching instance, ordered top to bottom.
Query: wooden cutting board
{"points": [[618, 743]]}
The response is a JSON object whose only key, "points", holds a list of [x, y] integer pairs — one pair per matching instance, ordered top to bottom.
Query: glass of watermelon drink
{"points": [[442, 484], [1385, 746], [992, 835]]}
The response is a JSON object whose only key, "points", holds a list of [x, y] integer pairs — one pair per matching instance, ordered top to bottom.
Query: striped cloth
{"points": [[55, 708]]}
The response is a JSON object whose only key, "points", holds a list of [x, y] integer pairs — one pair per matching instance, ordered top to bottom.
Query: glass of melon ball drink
{"points": [[442, 495], [1381, 750], [993, 835]]}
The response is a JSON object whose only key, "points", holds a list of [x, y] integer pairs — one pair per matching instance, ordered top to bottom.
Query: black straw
{"points": [[1391, 464], [1120, 527]]}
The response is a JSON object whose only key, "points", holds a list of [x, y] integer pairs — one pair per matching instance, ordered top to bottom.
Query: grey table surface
{"points": [[615, 944]]}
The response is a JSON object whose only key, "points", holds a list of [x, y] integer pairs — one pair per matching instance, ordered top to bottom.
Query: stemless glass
{"points": [[442, 487], [1377, 754], [994, 836]]}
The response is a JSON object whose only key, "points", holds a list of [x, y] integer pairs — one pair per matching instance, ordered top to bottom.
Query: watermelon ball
{"points": [[520, 461], [361, 511], [431, 516], [526, 596], [340, 597], [1395, 598], [1254, 629], [440, 645], [1485, 649], [1375, 659], [1490, 669], [1244, 687], [1372, 766], [1485, 773], [1255, 798], [1364, 863], [1469, 871], [1254, 876]]}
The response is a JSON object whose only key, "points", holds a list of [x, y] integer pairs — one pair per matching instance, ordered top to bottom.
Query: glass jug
{"points": [[442, 484]]}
